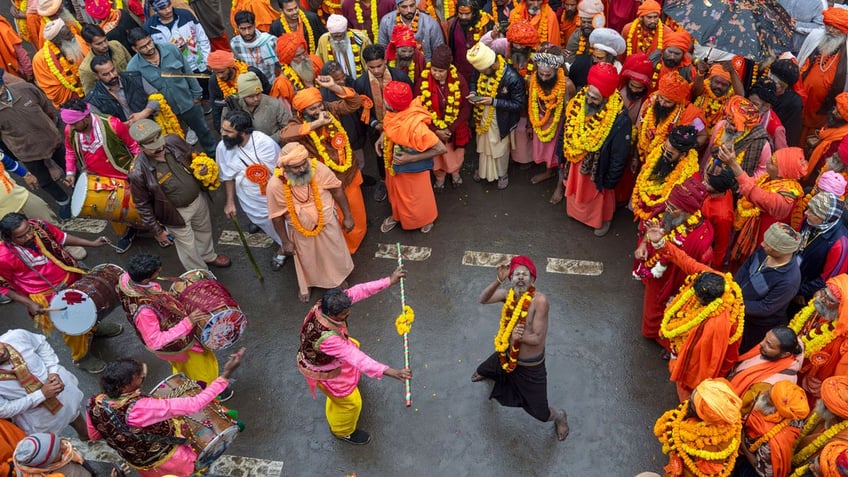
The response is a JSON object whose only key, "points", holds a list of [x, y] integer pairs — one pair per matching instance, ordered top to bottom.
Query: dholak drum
{"points": [[104, 198], [190, 277], [86, 301], [226, 321], [210, 430]]}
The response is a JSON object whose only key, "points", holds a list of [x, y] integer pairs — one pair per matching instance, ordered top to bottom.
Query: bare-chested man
{"points": [[518, 364]]}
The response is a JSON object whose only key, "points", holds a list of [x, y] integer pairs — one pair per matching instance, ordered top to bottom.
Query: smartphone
{"points": [[475, 98]]}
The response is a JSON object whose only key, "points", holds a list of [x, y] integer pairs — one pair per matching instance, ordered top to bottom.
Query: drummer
{"points": [[100, 145], [34, 265], [161, 322], [138, 415]]}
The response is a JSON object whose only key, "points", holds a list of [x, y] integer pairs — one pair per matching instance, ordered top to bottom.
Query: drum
{"points": [[104, 198], [190, 277], [86, 301], [226, 321], [210, 430]]}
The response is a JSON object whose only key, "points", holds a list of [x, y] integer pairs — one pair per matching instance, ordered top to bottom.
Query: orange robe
{"points": [[265, 13], [519, 13], [35, 27], [567, 28], [8, 39], [634, 43], [48, 82], [817, 85], [284, 89], [829, 139], [410, 193], [758, 373], [10, 435], [780, 446]]}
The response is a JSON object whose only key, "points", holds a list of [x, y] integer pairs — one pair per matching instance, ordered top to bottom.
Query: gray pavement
{"points": [[611, 381]]}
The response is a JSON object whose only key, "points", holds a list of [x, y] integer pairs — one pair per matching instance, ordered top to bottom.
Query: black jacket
{"points": [[102, 99], [510, 100], [788, 108], [614, 152]]}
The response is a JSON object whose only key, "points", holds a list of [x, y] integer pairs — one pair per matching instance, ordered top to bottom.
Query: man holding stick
{"points": [[331, 360], [518, 364]]}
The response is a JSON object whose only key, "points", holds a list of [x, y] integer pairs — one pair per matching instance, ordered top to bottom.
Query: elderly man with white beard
{"points": [[343, 45], [820, 58], [298, 67], [57, 78]]}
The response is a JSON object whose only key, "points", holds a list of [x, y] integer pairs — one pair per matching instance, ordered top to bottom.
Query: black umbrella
{"points": [[755, 29]]}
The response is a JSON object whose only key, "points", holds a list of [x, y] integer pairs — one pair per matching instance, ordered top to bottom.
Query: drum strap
{"points": [[122, 427]]}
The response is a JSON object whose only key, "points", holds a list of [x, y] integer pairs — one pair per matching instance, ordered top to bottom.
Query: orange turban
{"points": [[648, 7], [837, 18], [522, 33], [679, 39], [287, 46], [221, 59], [718, 70], [674, 87], [306, 98], [842, 105], [741, 112], [291, 154], [790, 162], [838, 285], [834, 393], [789, 400], [715, 402], [833, 460]]}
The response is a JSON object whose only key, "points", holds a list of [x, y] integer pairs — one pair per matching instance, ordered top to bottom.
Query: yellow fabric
{"points": [[77, 344], [199, 366], [343, 412]]}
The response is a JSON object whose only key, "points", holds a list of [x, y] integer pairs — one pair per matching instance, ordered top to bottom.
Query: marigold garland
{"points": [[449, 8], [302, 22], [375, 22], [20, 23], [413, 26], [479, 28], [645, 41], [581, 45], [354, 48], [410, 70], [69, 75], [293, 77], [487, 86], [230, 88], [711, 105], [166, 119], [441, 119], [544, 126], [658, 132], [583, 135], [340, 143], [259, 175], [209, 180], [649, 191], [745, 209], [295, 220], [677, 235], [513, 312], [685, 312], [404, 321], [814, 334], [775, 429], [685, 438], [802, 456]]}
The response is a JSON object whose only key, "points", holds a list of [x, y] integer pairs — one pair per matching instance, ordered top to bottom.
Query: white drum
{"points": [[86, 301]]}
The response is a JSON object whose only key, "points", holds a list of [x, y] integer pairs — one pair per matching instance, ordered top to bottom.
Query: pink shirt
{"points": [[95, 159], [20, 278], [353, 360], [148, 411]]}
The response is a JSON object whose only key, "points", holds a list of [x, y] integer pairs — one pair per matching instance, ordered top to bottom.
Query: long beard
{"points": [[533, 11], [830, 43], [340, 46], [72, 50], [519, 58], [670, 63], [304, 70], [547, 84], [634, 95], [593, 109], [661, 112], [729, 137], [231, 142], [662, 168], [300, 179], [669, 221], [822, 309], [764, 404], [825, 413]]}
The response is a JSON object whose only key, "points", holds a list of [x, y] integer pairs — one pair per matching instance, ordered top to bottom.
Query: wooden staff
{"points": [[407, 384]]}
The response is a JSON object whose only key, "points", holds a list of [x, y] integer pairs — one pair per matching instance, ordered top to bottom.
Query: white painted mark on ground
{"points": [[81, 224], [257, 240], [414, 254], [484, 259], [574, 267], [225, 465]]}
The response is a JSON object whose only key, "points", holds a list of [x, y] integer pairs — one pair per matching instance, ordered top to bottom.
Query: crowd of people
{"points": [[734, 168]]}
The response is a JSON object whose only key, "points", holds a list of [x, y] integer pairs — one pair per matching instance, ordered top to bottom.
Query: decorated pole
{"points": [[403, 325]]}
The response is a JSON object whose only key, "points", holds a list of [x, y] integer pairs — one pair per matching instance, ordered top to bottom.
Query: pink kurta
{"points": [[522, 145], [96, 161], [20, 278]]}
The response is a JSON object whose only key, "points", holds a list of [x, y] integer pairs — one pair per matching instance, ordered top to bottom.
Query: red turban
{"points": [[647, 7], [98, 9], [837, 18], [522, 33], [402, 35], [679, 39], [287, 46], [221, 59], [638, 68], [718, 70], [603, 76], [674, 88], [398, 95], [306, 98], [842, 105], [742, 113], [790, 163], [688, 196], [522, 260], [834, 393]]}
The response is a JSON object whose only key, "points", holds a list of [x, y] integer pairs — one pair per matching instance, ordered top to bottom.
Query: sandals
{"points": [[476, 177], [456, 180], [503, 182], [439, 186], [388, 224], [427, 228], [277, 262]]}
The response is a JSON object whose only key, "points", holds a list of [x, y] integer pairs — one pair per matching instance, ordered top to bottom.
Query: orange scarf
{"points": [[827, 136], [757, 373], [780, 445]]}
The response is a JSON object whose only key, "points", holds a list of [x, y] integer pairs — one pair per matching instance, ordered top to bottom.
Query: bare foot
{"points": [[543, 176], [557, 196], [303, 297], [476, 378], [561, 425]]}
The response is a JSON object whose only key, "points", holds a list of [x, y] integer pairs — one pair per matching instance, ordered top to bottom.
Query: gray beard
{"points": [[533, 11], [829, 43], [340, 46], [72, 50], [305, 71], [592, 109], [729, 137], [300, 179], [669, 222], [824, 311], [764, 404], [827, 416]]}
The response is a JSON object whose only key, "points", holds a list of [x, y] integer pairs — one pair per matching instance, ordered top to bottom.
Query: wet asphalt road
{"points": [[610, 380]]}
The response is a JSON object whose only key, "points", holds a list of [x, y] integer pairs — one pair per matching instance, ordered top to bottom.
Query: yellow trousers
{"points": [[199, 366], [342, 412]]}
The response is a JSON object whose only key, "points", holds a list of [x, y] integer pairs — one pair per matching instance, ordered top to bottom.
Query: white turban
{"points": [[590, 8], [336, 24], [52, 29], [608, 40], [481, 56]]}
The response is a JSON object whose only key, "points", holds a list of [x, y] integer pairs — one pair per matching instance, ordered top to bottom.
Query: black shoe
{"points": [[369, 181], [380, 193], [65, 211], [253, 228], [124, 244], [4, 300], [226, 395], [358, 438]]}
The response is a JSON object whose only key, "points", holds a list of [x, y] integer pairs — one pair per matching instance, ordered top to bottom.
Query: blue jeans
{"points": [[196, 120]]}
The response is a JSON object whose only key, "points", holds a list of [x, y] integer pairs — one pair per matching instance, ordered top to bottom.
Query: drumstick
{"points": [[55, 309]]}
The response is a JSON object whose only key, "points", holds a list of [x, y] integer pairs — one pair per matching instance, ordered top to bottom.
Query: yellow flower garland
{"points": [[449, 8], [302, 21], [21, 22], [375, 22], [413, 27], [643, 47], [354, 48], [410, 70], [69, 76], [293, 77], [487, 86], [230, 88], [454, 99], [711, 105], [166, 119], [545, 127], [333, 130], [660, 131], [582, 135], [388, 155], [210, 179], [287, 191], [647, 193], [746, 209], [677, 235], [512, 313], [678, 319], [404, 321], [799, 321], [817, 336], [677, 434], [769, 435], [802, 456]]}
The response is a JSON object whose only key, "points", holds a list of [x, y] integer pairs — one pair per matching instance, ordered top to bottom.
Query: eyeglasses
{"points": [[145, 46]]}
